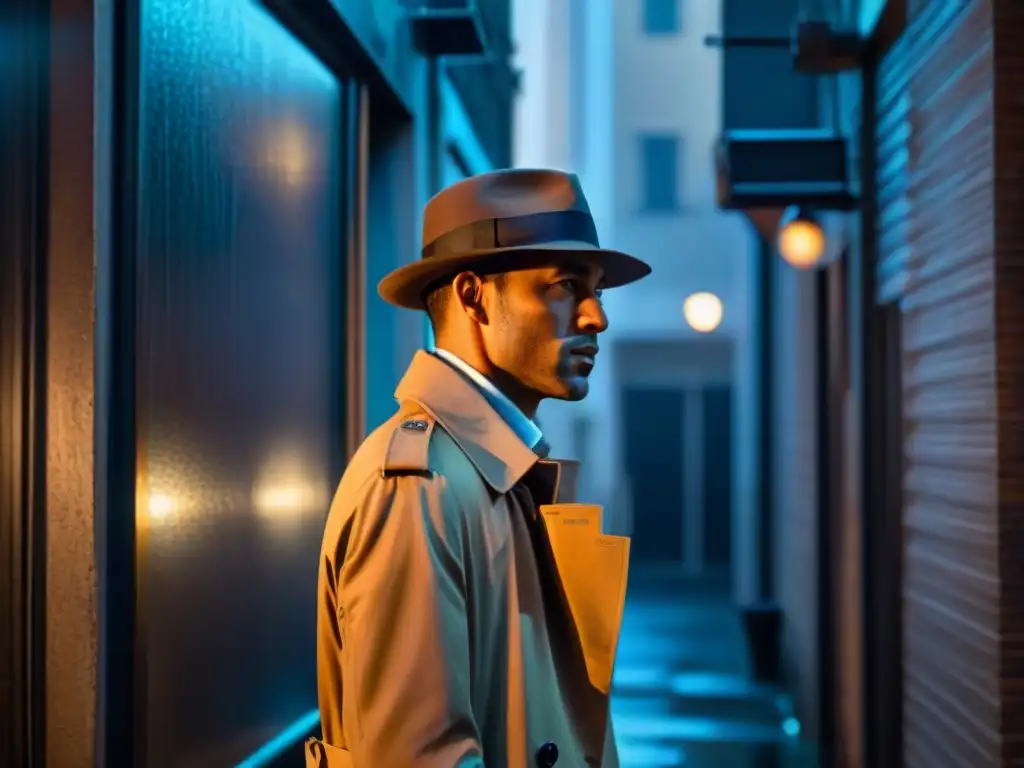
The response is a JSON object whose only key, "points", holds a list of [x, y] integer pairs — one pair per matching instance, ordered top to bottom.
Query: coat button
{"points": [[547, 755]]}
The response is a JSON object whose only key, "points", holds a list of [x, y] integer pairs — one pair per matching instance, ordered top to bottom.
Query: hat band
{"points": [[514, 232]]}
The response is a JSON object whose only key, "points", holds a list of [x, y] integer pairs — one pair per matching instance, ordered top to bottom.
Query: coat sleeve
{"points": [[405, 637]]}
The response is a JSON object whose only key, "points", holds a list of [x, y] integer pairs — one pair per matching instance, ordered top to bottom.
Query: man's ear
{"points": [[468, 288]]}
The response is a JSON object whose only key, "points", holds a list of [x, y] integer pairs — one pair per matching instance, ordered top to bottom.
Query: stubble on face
{"points": [[544, 328]]}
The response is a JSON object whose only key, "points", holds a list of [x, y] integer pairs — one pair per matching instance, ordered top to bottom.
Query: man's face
{"points": [[542, 328]]}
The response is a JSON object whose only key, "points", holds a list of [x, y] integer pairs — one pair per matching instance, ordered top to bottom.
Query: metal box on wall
{"points": [[447, 27], [779, 168]]}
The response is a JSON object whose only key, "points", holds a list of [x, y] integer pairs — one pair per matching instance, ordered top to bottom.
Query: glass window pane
{"points": [[238, 398]]}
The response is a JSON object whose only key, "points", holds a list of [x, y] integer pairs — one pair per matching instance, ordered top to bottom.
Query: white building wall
{"points": [[635, 84], [540, 117]]}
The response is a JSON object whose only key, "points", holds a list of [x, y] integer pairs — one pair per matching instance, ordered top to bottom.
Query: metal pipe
{"points": [[747, 41], [433, 124], [357, 188], [764, 278], [863, 306], [828, 463]]}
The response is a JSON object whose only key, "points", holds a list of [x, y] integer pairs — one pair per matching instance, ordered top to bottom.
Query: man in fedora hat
{"points": [[466, 615]]}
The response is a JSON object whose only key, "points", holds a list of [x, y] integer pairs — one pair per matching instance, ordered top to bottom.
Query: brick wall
{"points": [[950, 177], [952, 593]]}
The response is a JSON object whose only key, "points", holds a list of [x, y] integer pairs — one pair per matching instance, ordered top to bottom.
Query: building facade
{"points": [[628, 96], [197, 203], [917, 494]]}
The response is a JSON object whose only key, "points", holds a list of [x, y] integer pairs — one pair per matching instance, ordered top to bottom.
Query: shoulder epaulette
{"points": [[408, 447]]}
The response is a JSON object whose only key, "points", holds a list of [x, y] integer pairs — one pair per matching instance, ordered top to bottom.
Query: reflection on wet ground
{"points": [[682, 695]]}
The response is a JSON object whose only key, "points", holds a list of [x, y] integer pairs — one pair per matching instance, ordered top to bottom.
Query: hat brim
{"points": [[405, 286]]}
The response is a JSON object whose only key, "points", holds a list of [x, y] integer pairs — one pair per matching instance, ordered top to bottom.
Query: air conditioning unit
{"points": [[447, 27], [780, 168]]}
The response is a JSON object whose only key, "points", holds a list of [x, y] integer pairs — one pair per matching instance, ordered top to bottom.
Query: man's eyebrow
{"points": [[575, 269]]}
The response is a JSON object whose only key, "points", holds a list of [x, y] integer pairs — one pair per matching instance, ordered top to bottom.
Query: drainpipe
{"points": [[433, 115], [357, 192], [765, 433], [828, 470], [763, 619]]}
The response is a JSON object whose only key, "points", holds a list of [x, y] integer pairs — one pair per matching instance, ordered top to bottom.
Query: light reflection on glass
{"points": [[288, 152], [288, 487], [175, 489], [161, 507]]}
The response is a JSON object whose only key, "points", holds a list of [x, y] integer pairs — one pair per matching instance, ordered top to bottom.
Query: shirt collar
{"points": [[525, 428]]}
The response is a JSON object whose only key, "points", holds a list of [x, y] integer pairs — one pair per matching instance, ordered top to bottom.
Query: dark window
{"points": [[661, 17], [659, 170]]}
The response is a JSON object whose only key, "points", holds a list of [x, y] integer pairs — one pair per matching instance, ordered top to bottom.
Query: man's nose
{"points": [[591, 317]]}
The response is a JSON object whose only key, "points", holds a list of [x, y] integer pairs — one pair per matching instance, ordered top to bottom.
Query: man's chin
{"points": [[575, 388]]}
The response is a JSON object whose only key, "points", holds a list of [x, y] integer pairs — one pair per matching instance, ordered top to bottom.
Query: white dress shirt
{"points": [[525, 428]]}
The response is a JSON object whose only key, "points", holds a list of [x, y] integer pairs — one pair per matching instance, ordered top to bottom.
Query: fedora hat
{"points": [[497, 220]]}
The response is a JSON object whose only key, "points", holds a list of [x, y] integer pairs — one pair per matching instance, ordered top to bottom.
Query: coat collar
{"points": [[523, 426], [497, 452]]}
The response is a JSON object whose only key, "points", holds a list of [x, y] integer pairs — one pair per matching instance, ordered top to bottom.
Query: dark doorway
{"points": [[653, 431], [717, 466]]}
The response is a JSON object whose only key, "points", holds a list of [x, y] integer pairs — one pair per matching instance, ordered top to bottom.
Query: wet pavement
{"points": [[682, 695]]}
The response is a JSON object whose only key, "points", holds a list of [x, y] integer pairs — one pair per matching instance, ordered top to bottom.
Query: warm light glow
{"points": [[288, 152], [802, 243], [703, 311], [288, 487], [286, 498], [161, 506]]}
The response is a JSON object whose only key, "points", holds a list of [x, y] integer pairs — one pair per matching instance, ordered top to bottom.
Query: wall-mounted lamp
{"points": [[801, 239]]}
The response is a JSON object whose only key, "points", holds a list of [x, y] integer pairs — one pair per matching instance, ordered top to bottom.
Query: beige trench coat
{"points": [[460, 623]]}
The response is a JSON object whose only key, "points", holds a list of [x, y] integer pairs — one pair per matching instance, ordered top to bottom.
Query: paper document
{"points": [[593, 569]]}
